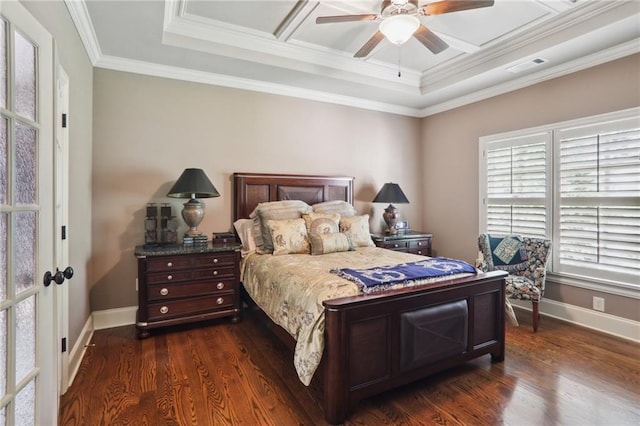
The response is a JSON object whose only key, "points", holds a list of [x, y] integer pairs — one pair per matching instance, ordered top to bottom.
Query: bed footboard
{"points": [[376, 343]]}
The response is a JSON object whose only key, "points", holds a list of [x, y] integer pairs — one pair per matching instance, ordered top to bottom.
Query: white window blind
{"points": [[517, 176], [577, 183], [599, 199]]}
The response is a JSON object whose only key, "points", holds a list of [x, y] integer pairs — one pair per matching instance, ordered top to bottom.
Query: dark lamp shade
{"points": [[193, 183], [391, 193]]}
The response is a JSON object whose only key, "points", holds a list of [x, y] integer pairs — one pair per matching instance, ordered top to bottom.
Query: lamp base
{"points": [[193, 213], [391, 216]]}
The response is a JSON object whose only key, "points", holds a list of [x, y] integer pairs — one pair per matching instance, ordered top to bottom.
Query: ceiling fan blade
{"points": [[448, 6], [345, 18], [430, 40], [369, 45]]}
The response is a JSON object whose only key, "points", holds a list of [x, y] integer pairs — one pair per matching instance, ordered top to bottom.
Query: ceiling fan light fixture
{"points": [[399, 28]]}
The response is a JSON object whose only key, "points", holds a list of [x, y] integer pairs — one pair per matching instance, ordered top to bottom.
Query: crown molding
{"points": [[82, 20], [617, 52], [176, 73]]}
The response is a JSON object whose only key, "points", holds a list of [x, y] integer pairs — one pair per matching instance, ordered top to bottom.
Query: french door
{"points": [[28, 351]]}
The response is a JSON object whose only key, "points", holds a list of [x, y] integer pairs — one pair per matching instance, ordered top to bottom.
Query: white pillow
{"points": [[335, 206], [274, 210], [244, 228]]}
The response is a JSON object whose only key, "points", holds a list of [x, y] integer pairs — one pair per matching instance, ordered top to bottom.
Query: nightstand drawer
{"points": [[409, 242], [419, 244], [394, 245], [421, 251], [213, 259], [168, 263], [174, 263], [226, 271], [190, 275], [168, 277], [171, 291], [192, 306]]}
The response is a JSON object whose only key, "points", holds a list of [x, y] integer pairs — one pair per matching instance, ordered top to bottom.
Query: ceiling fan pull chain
{"points": [[399, 52]]}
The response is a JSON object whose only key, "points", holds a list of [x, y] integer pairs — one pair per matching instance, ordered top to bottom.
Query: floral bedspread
{"points": [[290, 289]]}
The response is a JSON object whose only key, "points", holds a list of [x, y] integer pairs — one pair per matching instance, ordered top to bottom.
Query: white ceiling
{"points": [[275, 46]]}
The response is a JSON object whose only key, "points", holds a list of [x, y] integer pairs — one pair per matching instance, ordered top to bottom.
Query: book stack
{"points": [[197, 240]]}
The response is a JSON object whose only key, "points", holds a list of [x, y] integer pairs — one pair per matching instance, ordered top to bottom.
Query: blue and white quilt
{"points": [[404, 274]]}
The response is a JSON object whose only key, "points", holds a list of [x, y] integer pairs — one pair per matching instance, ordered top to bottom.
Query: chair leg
{"points": [[536, 316]]}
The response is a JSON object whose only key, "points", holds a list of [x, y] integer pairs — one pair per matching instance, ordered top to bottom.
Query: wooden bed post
{"points": [[336, 395]]}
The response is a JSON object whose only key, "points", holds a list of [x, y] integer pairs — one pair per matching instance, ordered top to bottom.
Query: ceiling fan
{"points": [[399, 21]]}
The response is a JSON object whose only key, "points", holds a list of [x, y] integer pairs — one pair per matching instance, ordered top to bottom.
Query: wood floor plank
{"points": [[218, 373]]}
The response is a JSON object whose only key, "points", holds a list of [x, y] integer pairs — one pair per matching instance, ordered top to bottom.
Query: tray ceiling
{"points": [[276, 46]]}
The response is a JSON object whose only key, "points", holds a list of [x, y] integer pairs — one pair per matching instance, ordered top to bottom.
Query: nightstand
{"points": [[409, 242], [182, 284]]}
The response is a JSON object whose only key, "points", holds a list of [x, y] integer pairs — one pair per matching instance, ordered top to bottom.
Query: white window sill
{"points": [[610, 287]]}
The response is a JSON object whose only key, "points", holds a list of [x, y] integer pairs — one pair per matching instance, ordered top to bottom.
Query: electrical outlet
{"points": [[598, 304]]}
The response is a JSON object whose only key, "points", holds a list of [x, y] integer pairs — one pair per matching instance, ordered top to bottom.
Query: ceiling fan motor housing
{"points": [[399, 7]]}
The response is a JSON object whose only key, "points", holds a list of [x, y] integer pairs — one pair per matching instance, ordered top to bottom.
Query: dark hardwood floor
{"points": [[218, 373]]}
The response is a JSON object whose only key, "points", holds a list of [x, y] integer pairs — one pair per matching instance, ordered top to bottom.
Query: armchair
{"points": [[525, 259]]}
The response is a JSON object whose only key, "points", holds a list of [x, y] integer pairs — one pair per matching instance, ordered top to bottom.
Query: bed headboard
{"points": [[253, 188]]}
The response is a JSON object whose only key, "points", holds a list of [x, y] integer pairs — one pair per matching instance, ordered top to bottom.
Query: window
{"points": [[577, 183], [517, 185]]}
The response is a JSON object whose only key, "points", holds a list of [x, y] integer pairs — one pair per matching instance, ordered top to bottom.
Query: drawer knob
{"points": [[419, 243], [395, 245], [419, 252], [215, 260], [169, 265], [215, 272], [169, 277], [220, 286], [164, 291], [219, 300], [164, 310]]}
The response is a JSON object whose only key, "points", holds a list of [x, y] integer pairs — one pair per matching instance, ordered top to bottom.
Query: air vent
{"points": [[526, 65]]}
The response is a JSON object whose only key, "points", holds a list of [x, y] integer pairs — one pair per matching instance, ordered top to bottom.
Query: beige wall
{"points": [[71, 55], [147, 130], [450, 154]]}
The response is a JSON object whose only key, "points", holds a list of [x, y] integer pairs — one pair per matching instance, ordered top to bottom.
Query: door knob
{"points": [[58, 277]]}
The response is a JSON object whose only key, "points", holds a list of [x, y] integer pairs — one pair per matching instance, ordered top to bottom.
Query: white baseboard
{"points": [[111, 318], [98, 320], [599, 321], [78, 350]]}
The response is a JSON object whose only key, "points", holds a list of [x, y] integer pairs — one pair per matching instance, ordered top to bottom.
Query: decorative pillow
{"points": [[335, 206], [275, 210], [320, 223], [244, 228], [357, 228], [289, 236], [330, 243], [508, 253]]}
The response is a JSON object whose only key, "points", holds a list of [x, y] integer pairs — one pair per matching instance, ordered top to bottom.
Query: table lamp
{"points": [[193, 184], [391, 193]]}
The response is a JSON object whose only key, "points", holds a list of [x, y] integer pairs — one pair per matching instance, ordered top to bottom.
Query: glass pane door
{"points": [[26, 319]]}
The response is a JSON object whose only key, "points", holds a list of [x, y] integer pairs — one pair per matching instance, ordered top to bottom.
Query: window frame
{"points": [[620, 284]]}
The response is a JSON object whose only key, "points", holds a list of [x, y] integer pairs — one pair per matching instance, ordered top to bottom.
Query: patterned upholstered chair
{"points": [[525, 259]]}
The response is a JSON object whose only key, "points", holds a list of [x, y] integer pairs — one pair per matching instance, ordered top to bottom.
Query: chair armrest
{"points": [[482, 264], [538, 277]]}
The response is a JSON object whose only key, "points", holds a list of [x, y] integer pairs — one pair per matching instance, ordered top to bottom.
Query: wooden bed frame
{"points": [[369, 348]]}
